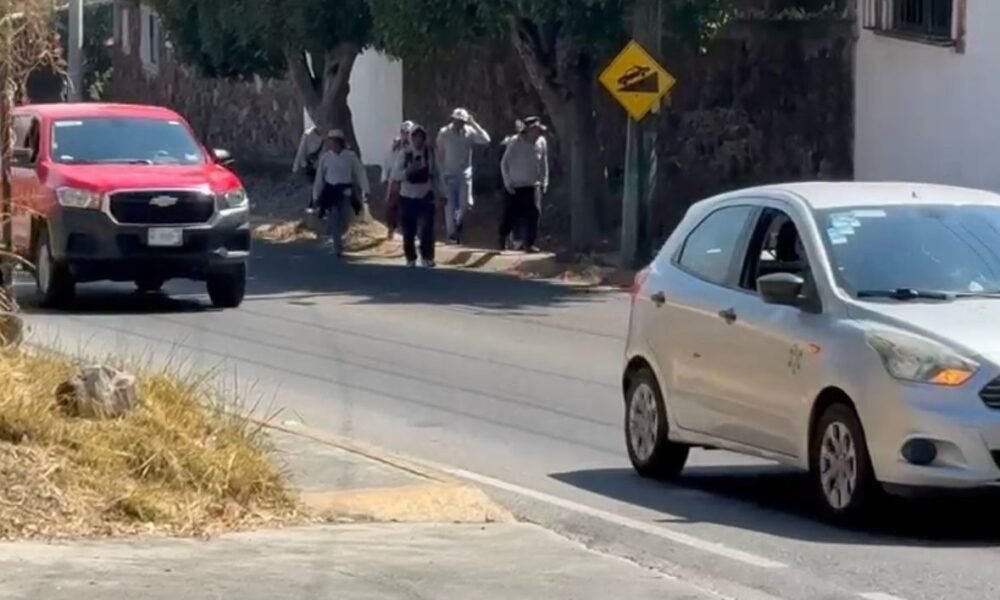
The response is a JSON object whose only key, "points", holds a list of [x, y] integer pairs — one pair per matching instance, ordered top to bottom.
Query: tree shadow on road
{"points": [[306, 273], [720, 495]]}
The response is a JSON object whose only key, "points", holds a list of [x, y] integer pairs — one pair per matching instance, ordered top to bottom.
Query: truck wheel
{"points": [[53, 279], [149, 285], [227, 288]]}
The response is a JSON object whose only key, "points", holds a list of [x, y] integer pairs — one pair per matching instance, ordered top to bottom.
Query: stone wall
{"points": [[771, 100], [258, 120]]}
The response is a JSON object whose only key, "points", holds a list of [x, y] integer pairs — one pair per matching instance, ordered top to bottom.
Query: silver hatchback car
{"points": [[843, 328]]}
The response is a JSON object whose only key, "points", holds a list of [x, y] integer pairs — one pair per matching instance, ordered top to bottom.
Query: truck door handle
{"points": [[658, 299], [728, 315]]}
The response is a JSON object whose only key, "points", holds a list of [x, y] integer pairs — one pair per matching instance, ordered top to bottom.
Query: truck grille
{"points": [[156, 207], [991, 394]]}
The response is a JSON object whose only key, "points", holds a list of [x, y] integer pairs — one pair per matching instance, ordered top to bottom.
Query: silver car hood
{"points": [[971, 324]]}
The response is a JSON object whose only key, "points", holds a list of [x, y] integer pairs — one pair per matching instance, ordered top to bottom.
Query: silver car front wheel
{"points": [[841, 467]]}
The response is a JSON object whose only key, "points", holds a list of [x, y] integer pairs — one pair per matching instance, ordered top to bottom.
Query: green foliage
{"points": [[418, 29], [98, 31], [245, 37]]}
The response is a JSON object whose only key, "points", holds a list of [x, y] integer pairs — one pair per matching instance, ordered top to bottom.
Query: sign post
{"points": [[638, 82]]}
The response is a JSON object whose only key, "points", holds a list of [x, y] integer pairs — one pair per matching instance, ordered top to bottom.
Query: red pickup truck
{"points": [[114, 192]]}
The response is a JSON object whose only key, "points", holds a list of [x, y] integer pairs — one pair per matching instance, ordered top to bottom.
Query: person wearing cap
{"points": [[455, 142], [399, 145], [525, 171], [337, 172], [416, 172]]}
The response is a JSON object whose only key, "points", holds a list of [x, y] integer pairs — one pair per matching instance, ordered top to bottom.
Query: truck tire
{"points": [[54, 280], [149, 285], [227, 288]]}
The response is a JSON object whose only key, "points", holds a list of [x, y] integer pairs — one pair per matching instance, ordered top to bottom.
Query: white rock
{"points": [[98, 392]]}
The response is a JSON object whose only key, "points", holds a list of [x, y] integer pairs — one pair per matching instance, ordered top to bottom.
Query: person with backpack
{"points": [[399, 145], [310, 147], [337, 172], [417, 174]]}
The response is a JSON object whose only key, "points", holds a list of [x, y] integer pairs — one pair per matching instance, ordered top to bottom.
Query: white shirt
{"points": [[454, 148], [344, 168], [415, 190]]}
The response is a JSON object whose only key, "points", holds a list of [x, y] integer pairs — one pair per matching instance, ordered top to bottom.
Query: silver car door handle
{"points": [[658, 298], [728, 315]]}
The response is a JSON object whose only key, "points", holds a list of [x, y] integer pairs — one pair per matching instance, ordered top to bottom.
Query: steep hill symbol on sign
{"points": [[639, 79]]}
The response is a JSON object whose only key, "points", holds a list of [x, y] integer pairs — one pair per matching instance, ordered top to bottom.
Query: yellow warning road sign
{"points": [[636, 80]]}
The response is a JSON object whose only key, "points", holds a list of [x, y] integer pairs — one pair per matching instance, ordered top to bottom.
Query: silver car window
{"points": [[712, 245]]}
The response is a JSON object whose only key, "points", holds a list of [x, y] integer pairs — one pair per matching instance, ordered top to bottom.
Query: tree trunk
{"points": [[563, 76], [324, 88], [6, 191]]}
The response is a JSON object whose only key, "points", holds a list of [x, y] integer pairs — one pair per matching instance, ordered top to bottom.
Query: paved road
{"points": [[516, 383]]}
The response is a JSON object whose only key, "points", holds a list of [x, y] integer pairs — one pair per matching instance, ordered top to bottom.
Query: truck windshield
{"points": [[124, 140]]}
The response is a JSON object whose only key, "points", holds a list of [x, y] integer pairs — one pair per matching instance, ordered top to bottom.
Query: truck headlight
{"points": [[71, 197], [235, 199], [920, 360]]}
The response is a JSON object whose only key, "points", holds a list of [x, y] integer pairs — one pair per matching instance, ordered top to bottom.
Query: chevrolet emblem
{"points": [[163, 201]]}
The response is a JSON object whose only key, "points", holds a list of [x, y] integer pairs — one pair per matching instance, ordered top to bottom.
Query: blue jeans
{"points": [[417, 219]]}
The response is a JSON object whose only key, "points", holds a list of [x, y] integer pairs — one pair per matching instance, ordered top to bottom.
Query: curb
{"points": [[439, 498]]}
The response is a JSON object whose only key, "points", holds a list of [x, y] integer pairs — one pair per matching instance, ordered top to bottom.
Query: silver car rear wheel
{"points": [[647, 429]]}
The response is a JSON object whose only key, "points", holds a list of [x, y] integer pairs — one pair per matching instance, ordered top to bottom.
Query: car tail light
{"points": [[637, 282]]}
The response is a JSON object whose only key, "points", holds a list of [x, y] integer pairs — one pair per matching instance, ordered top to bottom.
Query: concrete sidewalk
{"points": [[449, 541], [354, 562]]}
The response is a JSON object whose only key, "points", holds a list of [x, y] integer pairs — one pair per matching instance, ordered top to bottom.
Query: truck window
{"points": [[26, 135], [124, 140]]}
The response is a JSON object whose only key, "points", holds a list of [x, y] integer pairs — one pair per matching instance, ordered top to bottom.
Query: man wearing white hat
{"points": [[455, 142], [337, 172]]}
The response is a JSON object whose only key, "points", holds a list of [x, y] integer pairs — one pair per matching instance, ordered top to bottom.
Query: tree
{"points": [[27, 42], [314, 42], [561, 45]]}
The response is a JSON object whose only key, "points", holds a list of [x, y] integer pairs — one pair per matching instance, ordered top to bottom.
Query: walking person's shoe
{"points": [[532, 250], [411, 263], [428, 263]]}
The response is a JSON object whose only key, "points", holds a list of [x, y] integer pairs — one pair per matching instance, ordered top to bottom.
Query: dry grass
{"points": [[178, 465]]}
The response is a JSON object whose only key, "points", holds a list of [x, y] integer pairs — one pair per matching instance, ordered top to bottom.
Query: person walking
{"points": [[455, 142], [399, 146], [307, 157], [338, 171], [525, 171], [417, 174], [508, 212]]}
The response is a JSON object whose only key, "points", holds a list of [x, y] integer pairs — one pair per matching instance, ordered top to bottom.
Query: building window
{"points": [[927, 20], [126, 30]]}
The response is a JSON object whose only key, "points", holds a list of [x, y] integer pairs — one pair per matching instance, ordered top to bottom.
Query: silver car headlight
{"points": [[72, 197], [235, 199], [920, 360]]}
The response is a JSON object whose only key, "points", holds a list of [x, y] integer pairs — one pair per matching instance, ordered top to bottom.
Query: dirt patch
{"points": [[179, 464], [426, 503]]}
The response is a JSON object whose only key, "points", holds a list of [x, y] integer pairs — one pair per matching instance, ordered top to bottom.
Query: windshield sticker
{"points": [[69, 123], [190, 157], [869, 214], [845, 220], [837, 235], [838, 240]]}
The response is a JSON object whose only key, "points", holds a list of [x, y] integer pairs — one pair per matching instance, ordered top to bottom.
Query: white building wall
{"points": [[376, 101], [927, 113]]}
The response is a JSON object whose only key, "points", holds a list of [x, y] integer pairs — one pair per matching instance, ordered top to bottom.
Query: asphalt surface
{"points": [[516, 384]]}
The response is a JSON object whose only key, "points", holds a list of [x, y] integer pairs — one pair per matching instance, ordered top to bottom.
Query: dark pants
{"points": [[337, 203], [521, 211], [417, 219]]}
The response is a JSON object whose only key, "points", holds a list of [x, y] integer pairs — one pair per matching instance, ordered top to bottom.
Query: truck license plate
{"points": [[166, 237]]}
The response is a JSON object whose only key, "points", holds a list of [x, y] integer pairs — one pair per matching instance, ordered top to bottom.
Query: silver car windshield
{"points": [[124, 140], [911, 251]]}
